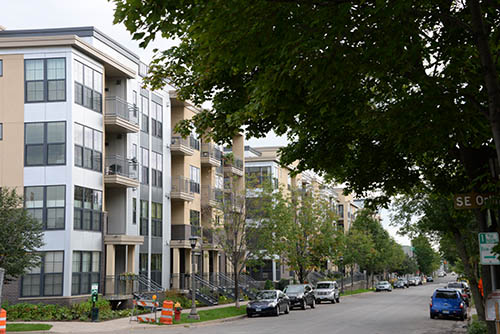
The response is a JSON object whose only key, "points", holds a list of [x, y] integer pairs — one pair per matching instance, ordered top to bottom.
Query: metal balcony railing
{"points": [[116, 106], [177, 140], [194, 143], [210, 150], [238, 163], [118, 165], [181, 185], [211, 194]]}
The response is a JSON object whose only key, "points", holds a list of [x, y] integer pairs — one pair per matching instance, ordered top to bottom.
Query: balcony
{"points": [[120, 116], [181, 146], [210, 155], [234, 166], [120, 172], [182, 189], [211, 197], [208, 238]]}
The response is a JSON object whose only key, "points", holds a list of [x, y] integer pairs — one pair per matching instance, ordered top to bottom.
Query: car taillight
{"points": [[464, 295], [431, 304], [461, 305]]}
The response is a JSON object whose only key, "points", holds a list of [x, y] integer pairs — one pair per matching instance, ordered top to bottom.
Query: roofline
{"points": [[88, 31]]}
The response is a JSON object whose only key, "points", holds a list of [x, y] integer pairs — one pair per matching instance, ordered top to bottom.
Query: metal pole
{"points": [[2, 272], [193, 314]]}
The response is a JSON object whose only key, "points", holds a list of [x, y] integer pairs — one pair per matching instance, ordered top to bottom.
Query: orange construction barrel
{"points": [[167, 312], [3, 321]]}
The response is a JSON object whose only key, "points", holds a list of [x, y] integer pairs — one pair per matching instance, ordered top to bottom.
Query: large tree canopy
{"points": [[365, 91]]}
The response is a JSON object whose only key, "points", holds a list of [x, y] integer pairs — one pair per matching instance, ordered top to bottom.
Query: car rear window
{"points": [[455, 285], [324, 286], [446, 295]]}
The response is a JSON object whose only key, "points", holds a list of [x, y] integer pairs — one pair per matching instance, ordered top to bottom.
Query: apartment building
{"points": [[90, 149], [201, 178], [347, 206]]}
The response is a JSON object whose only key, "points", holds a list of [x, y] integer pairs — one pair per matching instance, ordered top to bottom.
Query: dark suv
{"points": [[300, 295]]}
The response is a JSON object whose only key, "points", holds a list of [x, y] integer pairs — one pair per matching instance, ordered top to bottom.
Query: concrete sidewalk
{"points": [[123, 324]]}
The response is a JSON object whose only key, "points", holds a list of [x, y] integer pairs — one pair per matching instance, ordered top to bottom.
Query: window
{"points": [[1, 68], [45, 80], [88, 87], [145, 114], [156, 119], [1, 131], [45, 144], [88, 148], [145, 166], [156, 170], [194, 173], [258, 175], [47, 204], [88, 209], [340, 210], [134, 211], [144, 217], [156, 219], [194, 220], [86, 267], [156, 268], [45, 280]]}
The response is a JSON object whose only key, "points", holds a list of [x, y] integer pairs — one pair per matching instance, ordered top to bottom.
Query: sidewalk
{"points": [[123, 324]]}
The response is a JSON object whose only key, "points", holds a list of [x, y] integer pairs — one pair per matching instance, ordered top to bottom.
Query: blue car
{"points": [[448, 302]]}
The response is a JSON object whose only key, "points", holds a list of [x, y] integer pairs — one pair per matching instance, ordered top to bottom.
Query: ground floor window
{"points": [[85, 271], [46, 279]]}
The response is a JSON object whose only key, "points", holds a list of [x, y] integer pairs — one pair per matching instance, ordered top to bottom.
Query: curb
{"points": [[186, 325]]}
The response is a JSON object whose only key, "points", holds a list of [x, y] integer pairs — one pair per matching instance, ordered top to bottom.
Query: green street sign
{"points": [[486, 243]]}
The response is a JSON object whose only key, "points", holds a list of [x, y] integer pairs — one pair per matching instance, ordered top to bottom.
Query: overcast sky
{"points": [[37, 14]]}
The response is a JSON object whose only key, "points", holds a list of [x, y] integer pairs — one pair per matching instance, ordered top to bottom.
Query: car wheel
{"points": [[338, 299], [333, 300], [318, 301], [313, 304], [303, 305], [287, 309], [277, 311], [249, 315], [432, 316], [463, 317]]}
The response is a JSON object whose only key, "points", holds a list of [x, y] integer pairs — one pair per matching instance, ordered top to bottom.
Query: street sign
{"points": [[470, 201], [486, 243], [94, 288]]}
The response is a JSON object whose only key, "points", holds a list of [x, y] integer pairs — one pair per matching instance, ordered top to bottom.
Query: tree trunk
{"points": [[471, 275], [236, 286]]}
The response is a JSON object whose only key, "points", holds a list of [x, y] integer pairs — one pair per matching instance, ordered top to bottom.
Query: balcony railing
{"points": [[116, 106], [177, 140], [194, 143], [210, 150], [238, 163], [117, 165], [181, 185], [211, 196], [195, 230], [208, 236]]}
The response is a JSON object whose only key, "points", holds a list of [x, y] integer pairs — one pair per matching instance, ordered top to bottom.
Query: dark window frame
{"points": [[1, 67], [45, 81], [94, 94], [1, 131], [45, 145], [95, 155], [45, 208], [82, 212], [144, 218], [156, 219], [82, 273], [42, 277]]}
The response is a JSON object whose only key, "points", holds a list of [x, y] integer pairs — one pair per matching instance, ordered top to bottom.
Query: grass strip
{"points": [[355, 292], [213, 314], [28, 327]]}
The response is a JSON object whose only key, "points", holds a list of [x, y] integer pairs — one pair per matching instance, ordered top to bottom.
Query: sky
{"points": [[38, 14]]}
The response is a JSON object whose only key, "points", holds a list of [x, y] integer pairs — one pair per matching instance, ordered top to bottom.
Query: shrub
{"points": [[283, 283], [268, 285], [177, 297], [477, 327]]}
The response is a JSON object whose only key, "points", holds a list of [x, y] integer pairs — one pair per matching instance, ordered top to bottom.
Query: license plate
{"points": [[258, 310], [446, 312]]}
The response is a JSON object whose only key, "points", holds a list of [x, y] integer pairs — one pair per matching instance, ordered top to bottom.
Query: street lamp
{"points": [[341, 260], [193, 314]]}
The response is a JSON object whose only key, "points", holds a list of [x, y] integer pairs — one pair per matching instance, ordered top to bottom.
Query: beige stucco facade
{"points": [[12, 120]]}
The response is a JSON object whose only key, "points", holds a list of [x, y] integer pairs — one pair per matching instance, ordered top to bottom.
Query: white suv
{"points": [[327, 291]]}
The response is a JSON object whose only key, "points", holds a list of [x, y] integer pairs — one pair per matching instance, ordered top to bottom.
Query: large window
{"points": [[1, 68], [45, 80], [88, 87], [144, 114], [156, 119], [1, 131], [45, 144], [88, 148], [145, 166], [156, 170], [194, 175], [260, 175], [47, 204], [88, 209], [134, 210], [144, 217], [156, 219], [194, 220], [85, 271], [46, 279]]}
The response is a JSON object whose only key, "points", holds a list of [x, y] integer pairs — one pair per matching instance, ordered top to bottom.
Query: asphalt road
{"points": [[397, 312]]}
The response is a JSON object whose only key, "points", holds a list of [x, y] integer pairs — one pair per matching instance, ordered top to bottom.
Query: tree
{"points": [[300, 227], [21, 236], [359, 249], [428, 259], [409, 266]]}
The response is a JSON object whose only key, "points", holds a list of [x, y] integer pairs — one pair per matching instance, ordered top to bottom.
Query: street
{"points": [[396, 312]]}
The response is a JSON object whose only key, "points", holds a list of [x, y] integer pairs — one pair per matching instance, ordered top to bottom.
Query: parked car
{"points": [[441, 274], [430, 279], [419, 280], [412, 281], [400, 284], [383, 286], [463, 287], [327, 291], [300, 295], [269, 302], [448, 302]]}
